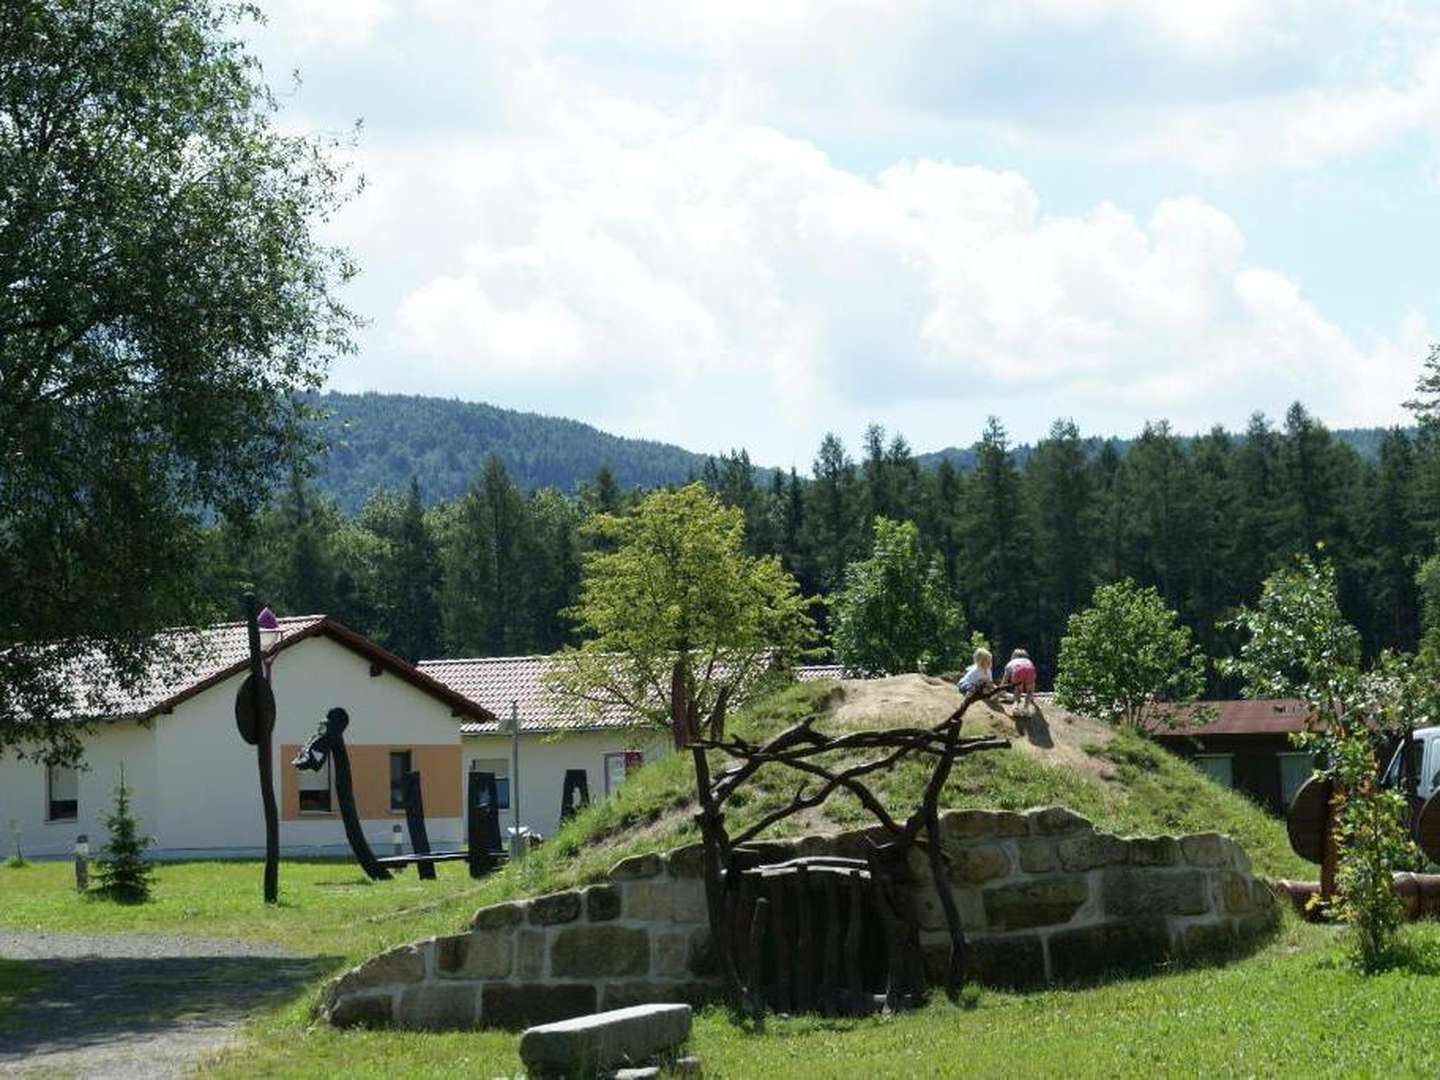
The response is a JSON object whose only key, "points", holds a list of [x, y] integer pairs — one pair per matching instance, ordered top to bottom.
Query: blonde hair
{"points": [[1019, 654], [982, 657]]}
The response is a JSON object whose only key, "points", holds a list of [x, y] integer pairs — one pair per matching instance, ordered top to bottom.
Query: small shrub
{"points": [[125, 872]]}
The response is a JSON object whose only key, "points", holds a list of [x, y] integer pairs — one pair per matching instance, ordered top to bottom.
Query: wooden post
{"points": [[1330, 861], [804, 943], [854, 981], [755, 1000]]}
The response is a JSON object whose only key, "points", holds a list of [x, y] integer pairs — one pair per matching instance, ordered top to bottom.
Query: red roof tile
{"points": [[493, 682], [1268, 716]]}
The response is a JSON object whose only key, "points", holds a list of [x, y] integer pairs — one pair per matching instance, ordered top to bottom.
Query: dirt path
{"points": [[136, 1005]]}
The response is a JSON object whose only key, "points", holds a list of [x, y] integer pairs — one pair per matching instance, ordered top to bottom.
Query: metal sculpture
{"points": [[255, 718], [329, 744], [575, 796]]}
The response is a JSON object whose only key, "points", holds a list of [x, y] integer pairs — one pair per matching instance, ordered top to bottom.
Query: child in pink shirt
{"points": [[1020, 673]]}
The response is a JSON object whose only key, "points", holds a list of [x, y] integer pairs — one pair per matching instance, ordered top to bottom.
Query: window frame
{"points": [[301, 791], [50, 800]]}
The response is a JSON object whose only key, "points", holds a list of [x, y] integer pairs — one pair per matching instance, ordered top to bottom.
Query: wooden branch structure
{"points": [[743, 912]]}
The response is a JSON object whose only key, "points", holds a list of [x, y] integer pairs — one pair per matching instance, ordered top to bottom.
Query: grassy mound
{"points": [[1146, 791]]}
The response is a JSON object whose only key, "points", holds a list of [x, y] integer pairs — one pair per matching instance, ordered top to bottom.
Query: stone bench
{"points": [[604, 1041]]}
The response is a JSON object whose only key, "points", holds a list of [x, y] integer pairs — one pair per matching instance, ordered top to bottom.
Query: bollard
{"points": [[395, 835], [82, 862]]}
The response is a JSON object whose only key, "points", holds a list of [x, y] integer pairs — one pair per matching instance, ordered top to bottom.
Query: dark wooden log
{"points": [[336, 722], [575, 795], [482, 817], [415, 821], [804, 941], [854, 978], [783, 981], [832, 986], [754, 997]]}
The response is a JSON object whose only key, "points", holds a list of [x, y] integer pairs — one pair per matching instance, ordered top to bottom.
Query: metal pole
{"points": [[264, 755], [516, 846]]}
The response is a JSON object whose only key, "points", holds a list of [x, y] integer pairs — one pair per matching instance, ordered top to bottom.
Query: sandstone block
{"points": [[1056, 821], [1009, 823], [967, 824], [810, 846], [1205, 849], [1089, 850], [1154, 851], [1037, 854], [687, 862], [974, 863], [636, 867], [1235, 889], [1135, 892], [680, 900], [1041, 902], [602, 903], [554, 909], [931, 915], [498, 916], [1207, 940], [600, 951], [1088, 952], [483, 954], [530, 954], [672, 954], [700, 958], [1012, 962], [403, 965], [620, 995], [503, 1005], [439, 1007], [362, 1010], [586, 1045]]}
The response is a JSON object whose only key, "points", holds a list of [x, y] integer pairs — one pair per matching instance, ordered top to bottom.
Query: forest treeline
{"points": [[1022, 545]]}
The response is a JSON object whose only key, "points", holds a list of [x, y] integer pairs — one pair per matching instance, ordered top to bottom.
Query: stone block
{"points": [[1057, 821], [1009, 823], [967, 824], [859, 843], [811, 846], [1206, 849], [1089, 850], [1154, 851], [763, 853], [1037, 854], [687, 861], [974, 863], [637, 867], [1235, 890], [1134, 892], [661, 901], [1040, 902], [602, 903], [555, 909], [931, 914], [498, 916], [1250, 928], [1207, 940], [599, 951], [1086, 953], [482, 954], [530, 954], [672, 954], [700, 958], [1014, 962], [403, 965], [620, 995], [512, 1006], [439, 1007], [362, 1010], [586, 1045], [644, 1072]]}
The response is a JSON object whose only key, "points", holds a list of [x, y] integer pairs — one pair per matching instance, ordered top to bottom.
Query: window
{"points": [[399, 766], [619, 766], [1219, 767], [501, 769], [1295, 769], [315, 790], [62, 793]]}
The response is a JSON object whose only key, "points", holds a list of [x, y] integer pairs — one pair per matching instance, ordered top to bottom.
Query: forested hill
{"points": [[382, 440]]}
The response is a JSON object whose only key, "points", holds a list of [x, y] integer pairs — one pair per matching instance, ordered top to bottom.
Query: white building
{"points": [[195, 784]]}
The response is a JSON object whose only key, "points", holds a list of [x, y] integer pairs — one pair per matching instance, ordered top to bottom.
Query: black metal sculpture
{"points": [[255, 719], [329, 744], [576, 794], [483, 822]]}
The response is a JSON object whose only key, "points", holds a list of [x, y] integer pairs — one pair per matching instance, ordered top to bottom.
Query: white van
{"points": [[1425, 753]]}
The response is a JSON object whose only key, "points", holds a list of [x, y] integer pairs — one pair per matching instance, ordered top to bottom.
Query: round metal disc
{"points": [[247, 722], [1306, 820], [1427, 828]]}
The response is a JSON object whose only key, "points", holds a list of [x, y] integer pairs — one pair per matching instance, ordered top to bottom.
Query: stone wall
{"points": [[1044, 898]]}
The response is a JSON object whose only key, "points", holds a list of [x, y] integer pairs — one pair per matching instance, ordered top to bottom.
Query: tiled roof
{"points": [[199, 658], [493, 682], [1269, 716]]}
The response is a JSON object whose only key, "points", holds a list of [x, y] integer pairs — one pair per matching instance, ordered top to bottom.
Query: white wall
{"points": [[543, 762], [24, 799]]}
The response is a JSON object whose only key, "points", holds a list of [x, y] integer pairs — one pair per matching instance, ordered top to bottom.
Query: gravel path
{"points": [[136, 1005]]}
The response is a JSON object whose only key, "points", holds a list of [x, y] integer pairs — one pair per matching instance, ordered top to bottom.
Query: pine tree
{"points": [[1064, 522], [997, 577], [125, 873]]}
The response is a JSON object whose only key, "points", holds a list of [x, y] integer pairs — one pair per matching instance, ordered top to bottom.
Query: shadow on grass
{"points": [[91, 1001]]}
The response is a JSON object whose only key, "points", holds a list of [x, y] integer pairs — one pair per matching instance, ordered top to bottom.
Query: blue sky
{"points": [[747, 222]]}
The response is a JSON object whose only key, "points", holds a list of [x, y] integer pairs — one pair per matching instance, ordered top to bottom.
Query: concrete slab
{"points": [[606, 1040]]}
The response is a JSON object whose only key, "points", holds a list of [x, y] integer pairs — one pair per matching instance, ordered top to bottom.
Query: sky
{"points": [[745, 223]]}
